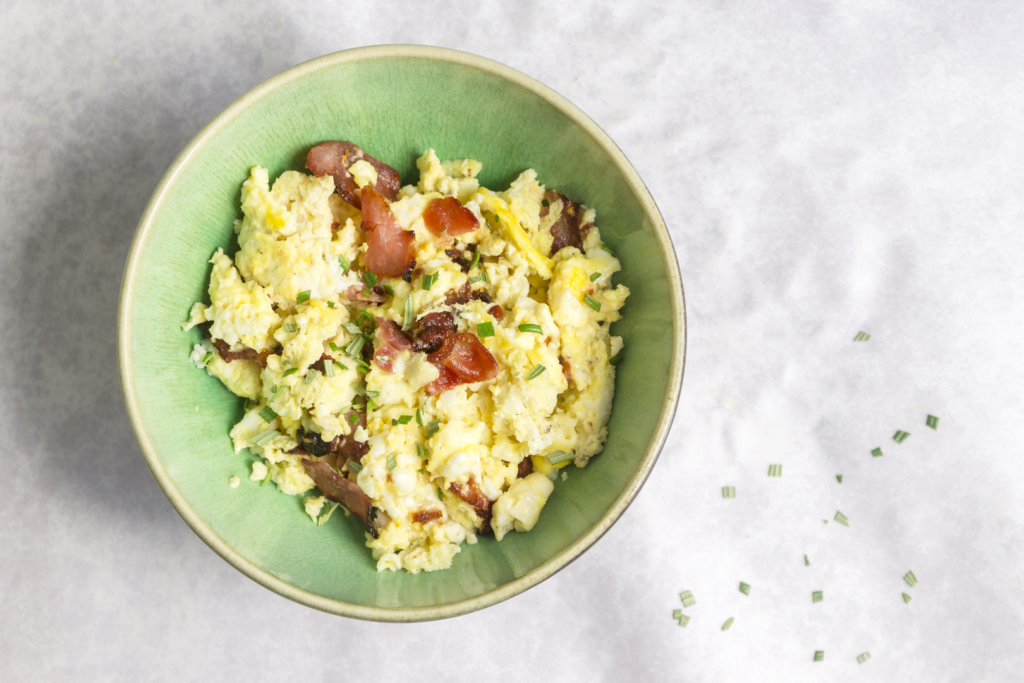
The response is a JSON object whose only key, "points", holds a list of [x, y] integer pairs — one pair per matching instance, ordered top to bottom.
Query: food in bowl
{"points": [[428, 356]]}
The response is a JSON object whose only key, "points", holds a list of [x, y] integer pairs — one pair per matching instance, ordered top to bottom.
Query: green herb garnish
{"points": [[608, 249], [476, 260], [345, 265], [594, 276], [370, 279], [428, 281], [303, 297], [592, 302], [330, 304], [410, 314], [288, 327], [536, 329], [484, 330], [862, 336], [355, 347], [207, 358], [615, 359], [340, 364], [329, 367], [290, 371], [535, 373], [311, 375], [268, 414], [419, 416], [353, 418], [404, 420], [932, 422], [432, 428], [900, 436], [263, 438], [420, 451], [876, 452], [558, 457], [391, 462], [354, 466], [774, 470], [839, 478], [728, 492], [841, 518], [807, 563], [910, 579], [744, 588], [817, 596], [687, 598], [906, 598], [683, 620], [727, 624], [819, 655], [861, 658]]}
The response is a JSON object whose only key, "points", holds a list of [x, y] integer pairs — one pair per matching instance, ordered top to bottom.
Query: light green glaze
{"points": [[395, 101]]}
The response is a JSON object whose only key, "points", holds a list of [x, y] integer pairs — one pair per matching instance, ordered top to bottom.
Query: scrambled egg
{"points": [[284, 294]]}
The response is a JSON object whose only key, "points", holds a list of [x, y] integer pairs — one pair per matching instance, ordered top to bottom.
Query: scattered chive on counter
{"points": [[862, 336], [932, 421], [900, 436], [877, 452], [774, 470], [839, 478], [728, 492], [842, 519], [807, 563], [910, 579], [744, 588], [817, 596], [687, 598], [906, 598], [683, 620], [727, 624], [819, 655], [861, 658]]}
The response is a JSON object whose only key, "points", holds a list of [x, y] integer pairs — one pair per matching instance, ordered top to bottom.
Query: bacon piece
{"points": [[335, 157], [447, 216], [566, 228], [390, 250], [377, 295], [464, 295], [496, 311], [391, 333], [435, 334], [245, 353], [468, 362], [566, 369], [525, 467], [340, 489], [472, 494], [425, 516]]}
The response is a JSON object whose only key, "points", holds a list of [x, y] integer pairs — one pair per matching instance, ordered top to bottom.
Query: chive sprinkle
{"points": [[608, 249], [476, 260], [345, 265], [485, 276], [594, 276], [370, 279], [428, 281], [389, 290], [303, 297], [592, 302], [330, 304], [410, 314], [363, 315], [288, 327], [352, 328], [536, 329], [484, 330], [862, 336], [334, 347], [355, 347], [208, 357], [615, 359], [340, 364], [329, 367], [363, 367], [290, 371], [535, 373], [311, 376], [268, 414], [419, 416], [353, 418], [404, 420], [932, 422], [432, 428], [900, 436], [263, 438], [420, 451], [876, 452], [558, 457], [391, 462], [354, 466], [774, 470], [266, 478], [839, 478], [728, 492], [440, 495], [841, 518], [322, 519], [807, 563], [910, 579], [744, 588], [817, 596], [687, 598], [906, 598], [676, 613], [683, 620], [727, 624], [819, 655], [861, 658]]}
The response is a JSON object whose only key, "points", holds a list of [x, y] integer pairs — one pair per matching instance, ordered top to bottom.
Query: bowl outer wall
{"points": [[181, 417]]}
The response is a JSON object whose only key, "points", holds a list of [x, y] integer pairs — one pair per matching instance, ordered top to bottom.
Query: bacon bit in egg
{"points": [[447, 216]]}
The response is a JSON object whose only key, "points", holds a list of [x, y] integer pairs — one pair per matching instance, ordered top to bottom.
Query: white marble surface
{"points": [[825, 168]]}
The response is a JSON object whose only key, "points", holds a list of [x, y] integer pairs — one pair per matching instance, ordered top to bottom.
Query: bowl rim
{"points": [[559, 561]]}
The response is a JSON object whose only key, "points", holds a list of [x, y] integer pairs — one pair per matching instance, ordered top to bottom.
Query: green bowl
{"points": [[395, 101]]}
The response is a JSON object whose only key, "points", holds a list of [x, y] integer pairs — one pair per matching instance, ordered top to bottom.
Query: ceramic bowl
{"points": [[396, 102]]}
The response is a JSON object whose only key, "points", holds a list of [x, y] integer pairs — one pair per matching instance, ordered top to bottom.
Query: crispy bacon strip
{"points": [[335, 157], [447, 216], [566, 228], [390, 250], [377, 295], [464, 295], [496, 311], [435, 332], [389, 341], [245, 353], [468, 362], [525, 467], [338, 488], [472, 494], [425, 516]]}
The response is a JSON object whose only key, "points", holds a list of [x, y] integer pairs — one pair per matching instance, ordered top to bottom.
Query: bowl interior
{"points": [[395, 106]]}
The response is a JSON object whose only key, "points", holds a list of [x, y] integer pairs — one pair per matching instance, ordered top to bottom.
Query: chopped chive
{"points": [[608, 249], [476, 260], [345, 265], [485, 276], [594, 276], [370, 279], [474, 279], [428, 281], [389, 290], [303, 297], [592, 302], [330, 304], [410, 314], [363, 315], [288, 327], [529, 327], [352, 328], [484, 330], [862, 336], [334, 347], [355, 347], [208, 357], [615, 359], [340, 364], [362, 364], [329, 367], [290, 371], [536, 372], [311, 375], [358, 388], [273, 391], [372, 394], [370, 405], [268, 414], [419, 416], [353, 418], [404, 420], [394, 422], [932, 422], [432, 428], [900, 436], [263, 438], [420, 451], [876, 452], [558, 457], [391, 462], [354, 466], [774, 470], [266, 478], [839, 478], [728, 492], [440, 495], [841, 518], [322, 519], [807, 563], [910, 579], [744, 588], [817, 596], [687, 598], [906, 598], [676, 613], [683, 620], [727, 624], [819, 655], [861, 658]]}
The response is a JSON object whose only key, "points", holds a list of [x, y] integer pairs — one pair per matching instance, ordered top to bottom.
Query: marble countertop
{"points": [[825, 169]]}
